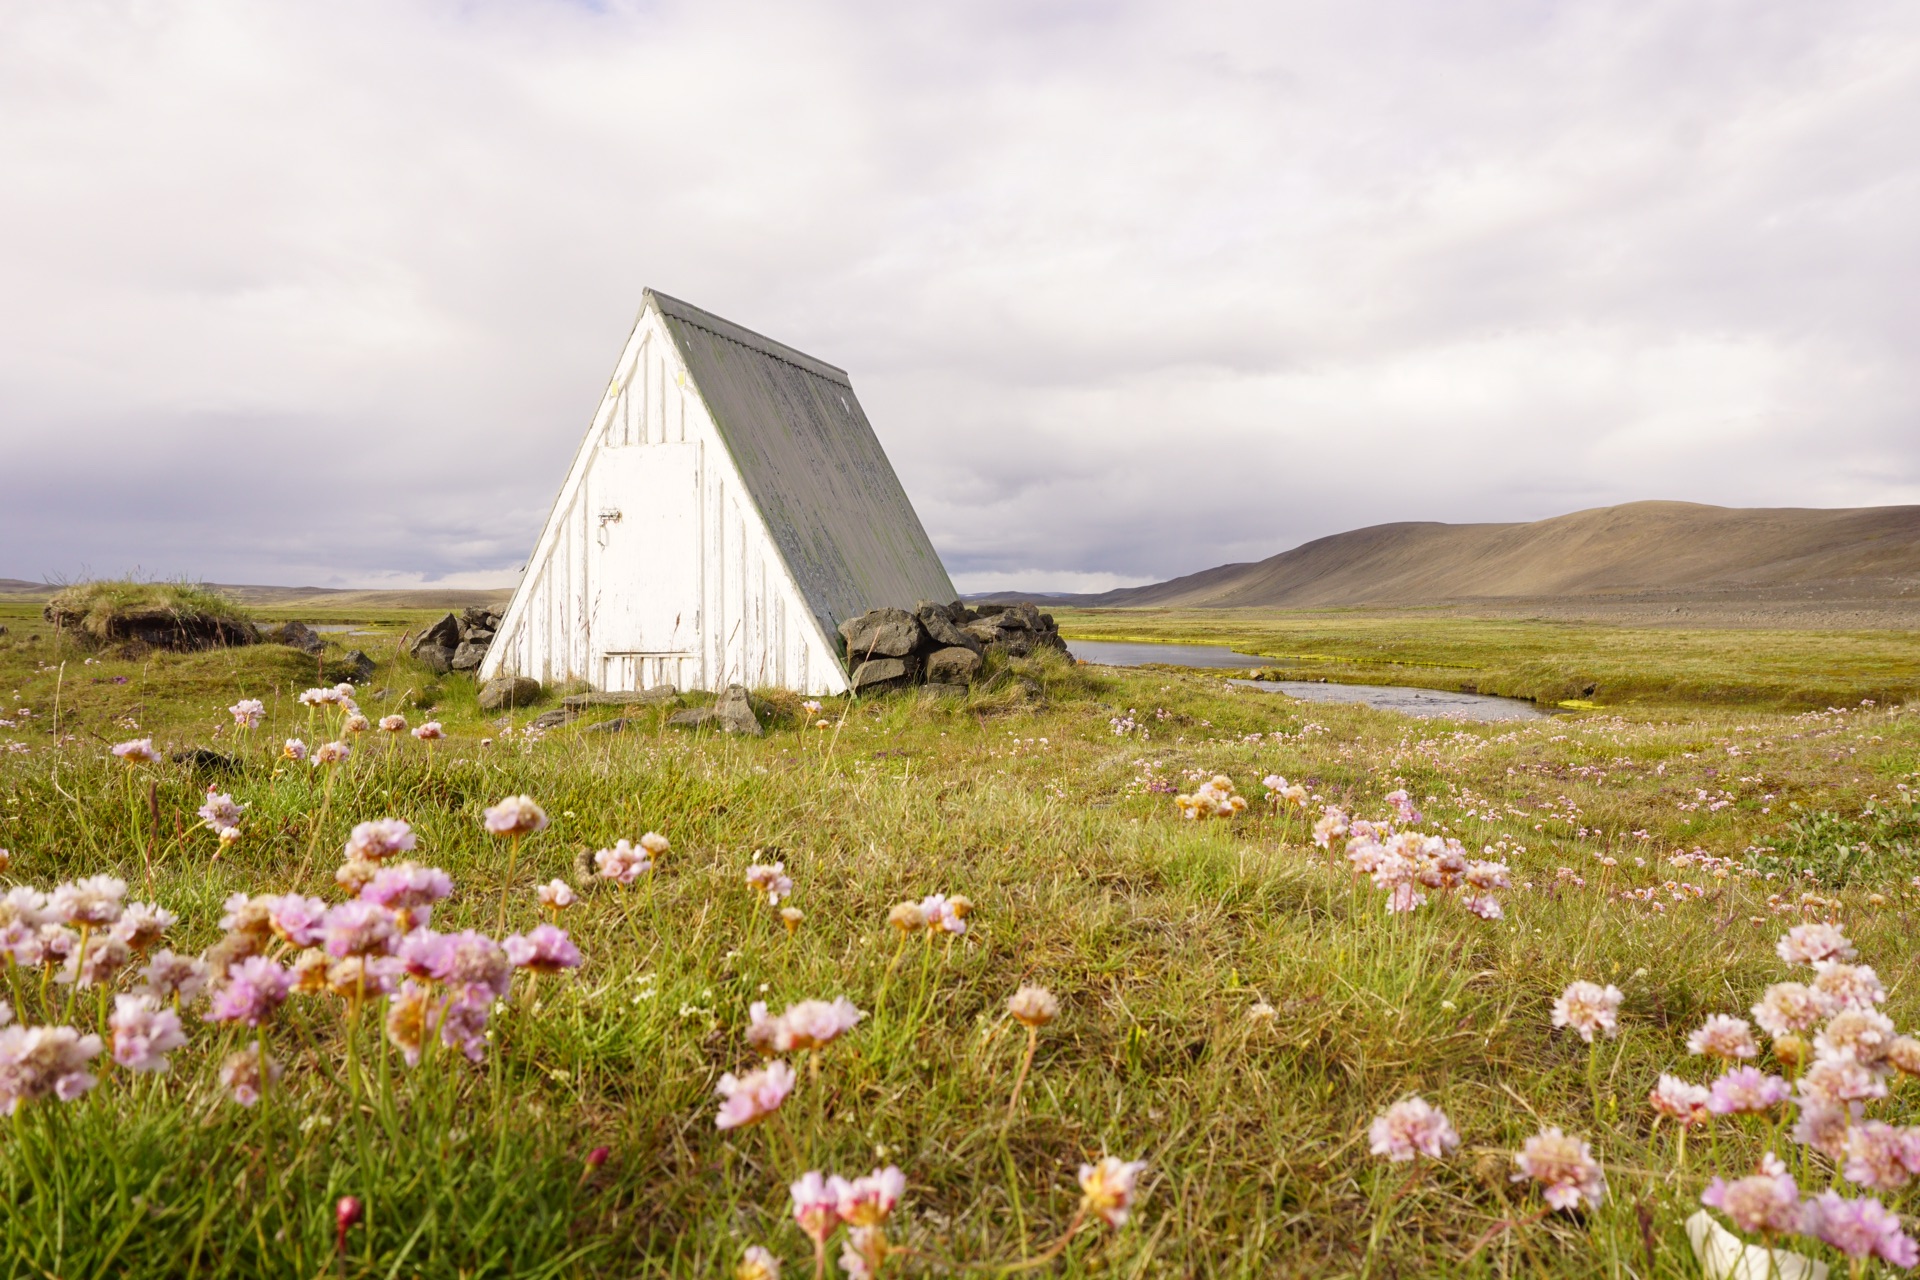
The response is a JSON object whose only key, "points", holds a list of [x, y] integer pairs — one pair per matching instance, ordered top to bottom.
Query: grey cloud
{"points": [[327, 292]]}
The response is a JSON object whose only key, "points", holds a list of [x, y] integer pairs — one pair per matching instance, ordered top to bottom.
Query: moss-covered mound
{"points": [[159, 615]]}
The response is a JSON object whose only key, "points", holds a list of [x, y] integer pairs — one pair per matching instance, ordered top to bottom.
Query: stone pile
{"points": [[458, 643], [940, 645]]}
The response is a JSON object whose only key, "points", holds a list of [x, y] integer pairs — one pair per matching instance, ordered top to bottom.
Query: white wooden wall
{"points": [[751, 625]]}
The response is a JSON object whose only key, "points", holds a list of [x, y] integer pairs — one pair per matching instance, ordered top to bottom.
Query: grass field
{"points": [[1548, 662], [1236, 1005]]}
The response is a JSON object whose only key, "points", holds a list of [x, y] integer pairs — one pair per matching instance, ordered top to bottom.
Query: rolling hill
{"points": [[1644, 548]]}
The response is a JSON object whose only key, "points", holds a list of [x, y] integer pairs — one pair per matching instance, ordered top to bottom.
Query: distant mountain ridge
{"points": [[1634, 547], [315, 597]]}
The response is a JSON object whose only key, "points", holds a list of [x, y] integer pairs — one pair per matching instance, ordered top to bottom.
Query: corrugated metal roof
{"points": [[813, 466]]}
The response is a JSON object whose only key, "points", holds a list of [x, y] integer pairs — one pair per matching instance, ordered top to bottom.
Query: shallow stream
{"points": [[1437, 703]]}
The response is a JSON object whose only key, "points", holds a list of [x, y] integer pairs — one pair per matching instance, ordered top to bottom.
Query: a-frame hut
{"points": [[728, 509]]}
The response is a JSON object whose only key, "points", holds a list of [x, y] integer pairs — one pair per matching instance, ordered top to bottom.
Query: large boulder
{"points": [[937, 620], [476, 625], [1015, 629], [444, 633], [881, 633], [297, 635], [468, 656], [436, 658], [955, 665], [359, 666], [877, 675], [504, 692], [731, 712], [734, 712]]}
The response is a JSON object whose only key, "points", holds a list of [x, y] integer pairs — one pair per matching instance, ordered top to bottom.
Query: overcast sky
{"points": [[326, 293]]}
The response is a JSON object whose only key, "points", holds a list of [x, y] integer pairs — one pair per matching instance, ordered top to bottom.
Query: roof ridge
{"points": [[687, 313]]}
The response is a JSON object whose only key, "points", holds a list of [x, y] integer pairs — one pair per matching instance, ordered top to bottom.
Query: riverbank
{"points": [[1552, 663]]}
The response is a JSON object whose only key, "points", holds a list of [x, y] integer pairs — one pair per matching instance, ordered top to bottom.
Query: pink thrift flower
{"points": [[248, 713], [393, 724], [430, 732], [138, 751], [296, 751], [330, 753], [1403, 806], [219, 812], [515, 816], [1332, 824], [380, 839], [622, 864], [1484, 874], [770, 879], [408, 887], [555, 895], [1404, 898], [93, 902], [1484, 905], [944, 914], [296, 918], [142, 924], [359, 928], [1814, 943], [543, 949], [426, 954], [476, 962], [98, 964], [169, 977], [364, 977], [1852, 986], [251, 991], [1587, 1007], [1791, 1008], [410, 1019], [464, 1024], [813, 1024], [144, 1033], [1863, 1034], [1727, 1038], [44, 1062], [1835, 1082], [1746, 1090], [752, 1098], [1679, 1100], [1823, 1127], [1410, 1128], [1880, 1156], [1564, 1167], [1108, 1187], [869, 1201], [1766, 1202], [815, 1207], [1860, 1228], [757, 1263]]}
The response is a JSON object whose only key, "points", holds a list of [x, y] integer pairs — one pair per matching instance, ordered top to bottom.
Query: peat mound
{"points": [[135, 616]]}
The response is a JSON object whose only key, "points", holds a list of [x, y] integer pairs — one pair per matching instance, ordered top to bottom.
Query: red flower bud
{"points": [[598, 1156], [347, 1213]]}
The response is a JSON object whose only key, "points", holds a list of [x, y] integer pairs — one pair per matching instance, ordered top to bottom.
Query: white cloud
{"points": [[324, 293]]}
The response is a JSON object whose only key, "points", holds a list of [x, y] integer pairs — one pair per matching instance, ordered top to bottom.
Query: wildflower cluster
{"points": [[1214, 798], [1408, 865], [1838, 1051], [821, 1205]]}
